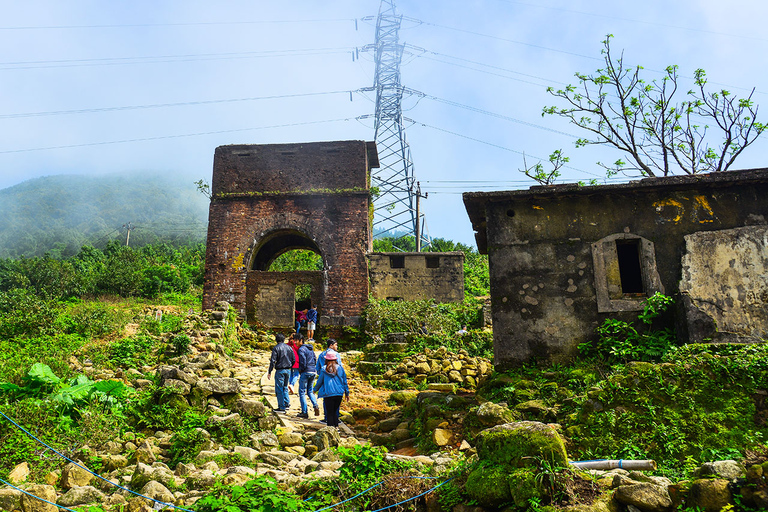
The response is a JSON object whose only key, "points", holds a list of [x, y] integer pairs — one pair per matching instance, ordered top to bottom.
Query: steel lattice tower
{"points": [[394, 209]]}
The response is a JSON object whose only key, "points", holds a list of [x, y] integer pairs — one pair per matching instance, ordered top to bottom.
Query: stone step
{"points": [[396, 337], [389, 347], [385, 357], [374, 367]]}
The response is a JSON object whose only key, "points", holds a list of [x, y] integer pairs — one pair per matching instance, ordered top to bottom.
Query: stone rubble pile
{"points": [[440, 366]]}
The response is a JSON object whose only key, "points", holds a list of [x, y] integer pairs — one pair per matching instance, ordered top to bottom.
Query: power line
{"points": [[191, 24], [119, 61], [165, 105], [144, 139], [494, 145]]}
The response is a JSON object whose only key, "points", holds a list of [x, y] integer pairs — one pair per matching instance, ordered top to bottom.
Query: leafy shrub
{"points": [[157, 279], [22, 313], [384, 316], [90, 319], [621, 341], [180, 344], [133, 352], [18, 354], [262, 494]]}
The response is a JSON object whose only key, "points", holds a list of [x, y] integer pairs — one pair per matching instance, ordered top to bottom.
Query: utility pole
{"points": [[394, 209], [418, 215], [129, 226]]}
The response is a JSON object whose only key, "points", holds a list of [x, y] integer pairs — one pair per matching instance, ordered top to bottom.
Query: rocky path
{"points": [[256, 365]]}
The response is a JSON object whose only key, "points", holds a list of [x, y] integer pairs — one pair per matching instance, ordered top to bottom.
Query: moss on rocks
{"points": [[510, 443]]}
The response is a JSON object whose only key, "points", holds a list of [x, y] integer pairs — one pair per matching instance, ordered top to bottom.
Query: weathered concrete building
{"points": [[270, 199], [564, 258], [416, 275]]}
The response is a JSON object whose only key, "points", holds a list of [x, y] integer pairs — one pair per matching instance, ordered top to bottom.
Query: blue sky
{"points": [[82, 81]]}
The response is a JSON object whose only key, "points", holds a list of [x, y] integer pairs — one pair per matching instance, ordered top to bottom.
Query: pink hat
{"points": [[330, 357]]}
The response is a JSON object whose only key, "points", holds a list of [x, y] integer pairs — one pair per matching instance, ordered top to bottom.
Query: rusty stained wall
{"points": [[313, 196], [543, 266], [423, 275]]}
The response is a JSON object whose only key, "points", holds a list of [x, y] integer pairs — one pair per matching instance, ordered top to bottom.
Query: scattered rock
{"points": [[19, 473], [81, 496]]}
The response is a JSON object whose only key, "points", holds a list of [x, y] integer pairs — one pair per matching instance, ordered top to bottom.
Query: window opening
{"points": [[433, 261], [397, 262], [630, 271]]}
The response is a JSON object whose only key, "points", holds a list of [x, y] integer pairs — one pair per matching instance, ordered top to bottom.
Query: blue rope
{"points": [[88, 470], [378, 484], [36, 497], [415, 497], [350, 499]]}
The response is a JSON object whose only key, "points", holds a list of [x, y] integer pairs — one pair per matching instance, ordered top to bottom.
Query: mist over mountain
{"points": [[59, 214]]}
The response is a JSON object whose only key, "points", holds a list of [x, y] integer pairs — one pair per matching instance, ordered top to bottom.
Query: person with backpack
{"points": [[281, 361], [307, 375], [332, 387]]}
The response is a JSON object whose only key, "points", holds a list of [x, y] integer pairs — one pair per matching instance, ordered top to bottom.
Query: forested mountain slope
{"points": [[59, 214]]}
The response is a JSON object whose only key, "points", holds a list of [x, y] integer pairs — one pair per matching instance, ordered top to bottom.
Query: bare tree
{"points": [[642, 119]]}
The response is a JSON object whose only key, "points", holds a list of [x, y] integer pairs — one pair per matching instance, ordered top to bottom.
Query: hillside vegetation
{"points": [[59, 214], [94, 347]]}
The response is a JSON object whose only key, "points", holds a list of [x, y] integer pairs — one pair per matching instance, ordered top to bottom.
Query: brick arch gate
{"points": [[268, 199]]}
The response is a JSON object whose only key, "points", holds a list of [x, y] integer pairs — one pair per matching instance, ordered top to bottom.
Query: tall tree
{"points": [[703, 133]]}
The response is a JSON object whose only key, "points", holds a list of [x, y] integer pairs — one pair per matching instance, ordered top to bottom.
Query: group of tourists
{"points": [[308, 318], [323, 375]]}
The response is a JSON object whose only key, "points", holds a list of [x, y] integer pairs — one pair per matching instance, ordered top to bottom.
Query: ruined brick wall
{"points": [[279, 197], [553, 252], [417, 275], [270, 295]]}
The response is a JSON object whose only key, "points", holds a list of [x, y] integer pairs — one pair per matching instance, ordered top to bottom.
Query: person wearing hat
{"points": [[332, 347], [332, 387]]}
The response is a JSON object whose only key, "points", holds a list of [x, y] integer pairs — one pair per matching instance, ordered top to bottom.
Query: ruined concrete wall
{"points": [[331, 219], [542, 251], [417, 275], [725, 285], [270, 295]]}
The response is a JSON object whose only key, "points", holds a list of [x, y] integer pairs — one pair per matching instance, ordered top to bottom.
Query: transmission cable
{"points": [[164, 105], [144, 139]]}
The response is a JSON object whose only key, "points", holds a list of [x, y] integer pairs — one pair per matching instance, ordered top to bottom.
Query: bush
{"points": [[22, 313], [383, 316], [133, 352], [18, 354], [262, 494]]}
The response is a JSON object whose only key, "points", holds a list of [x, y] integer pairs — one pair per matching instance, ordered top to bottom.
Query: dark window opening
{"points": [[510, 213], [433, 261], [397, 262], [630, 271], [394, 298]]}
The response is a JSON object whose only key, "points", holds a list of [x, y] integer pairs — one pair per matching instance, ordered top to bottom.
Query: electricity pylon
{"points": [[395, 207]]}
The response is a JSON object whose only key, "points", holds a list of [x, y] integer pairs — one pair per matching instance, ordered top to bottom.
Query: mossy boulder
{"points": [[512, 442], [507, 469]]}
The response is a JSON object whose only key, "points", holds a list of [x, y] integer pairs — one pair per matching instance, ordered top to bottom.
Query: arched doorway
{"points": [[286, 273]]}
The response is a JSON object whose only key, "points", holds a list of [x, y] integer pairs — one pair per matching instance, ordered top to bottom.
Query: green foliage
{"points": [[643, 119], [537, 173], [60, 214], [297, 259], [24, 313], [383, 316], [90, 319], [621, 341], [180, 344], [133, 352], [18, 354], [67, 396], [188, 440], [262, 494]]}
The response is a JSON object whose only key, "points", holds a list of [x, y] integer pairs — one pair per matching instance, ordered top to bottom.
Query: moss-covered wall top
{"points": [[316, 166]]}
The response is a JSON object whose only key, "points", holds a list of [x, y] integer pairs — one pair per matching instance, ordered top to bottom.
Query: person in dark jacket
{"points": [[311, 322], [281, 361], [307, 375], [332, 387]]}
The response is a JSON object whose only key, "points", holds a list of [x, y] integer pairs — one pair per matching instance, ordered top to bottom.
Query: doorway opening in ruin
{"points": [[285, 275]]}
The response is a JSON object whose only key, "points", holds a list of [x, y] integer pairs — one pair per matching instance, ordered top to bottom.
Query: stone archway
{"points": [[267, 199], [270, 295]]}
